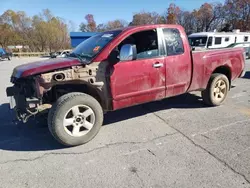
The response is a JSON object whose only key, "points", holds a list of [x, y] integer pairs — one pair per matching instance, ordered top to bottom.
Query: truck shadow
{"points": [[183, 101], [32, 136], [35, 136]]}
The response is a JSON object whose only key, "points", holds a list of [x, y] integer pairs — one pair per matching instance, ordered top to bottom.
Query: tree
{"points": [[173, 14], [238, 14], [205, 16], [208, 17], [219, 17], [144, 18], [187, 20], [19, 23], [116, 24], [89, 25], [83, 27], [101, 28], [42, 32], [6, 35]]}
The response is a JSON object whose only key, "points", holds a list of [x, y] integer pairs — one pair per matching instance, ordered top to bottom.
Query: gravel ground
{"points": [[178, 142]]}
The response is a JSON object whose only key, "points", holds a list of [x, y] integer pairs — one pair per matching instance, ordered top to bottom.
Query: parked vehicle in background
{"points": [[213, 40], [245, 45], [63, 53], [4, 54], [54, 54], [117, 69]]}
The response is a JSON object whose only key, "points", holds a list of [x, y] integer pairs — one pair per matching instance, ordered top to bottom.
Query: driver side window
{"points": [[146, 44]]}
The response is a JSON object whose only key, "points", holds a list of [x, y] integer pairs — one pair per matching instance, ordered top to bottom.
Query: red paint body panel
{"points": [[205, 63], [44, 66], [179, 69], [183, 73], [178, 74], [135, 82], [133, 87]]}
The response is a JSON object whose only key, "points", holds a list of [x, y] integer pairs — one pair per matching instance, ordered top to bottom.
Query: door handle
{"points": [[158, 65]]}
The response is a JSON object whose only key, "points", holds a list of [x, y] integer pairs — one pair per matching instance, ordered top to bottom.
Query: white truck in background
{"points": [[215, 40]]}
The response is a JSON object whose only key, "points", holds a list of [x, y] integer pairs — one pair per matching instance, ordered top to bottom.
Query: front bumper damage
{"points": [[35, 94], [25, 99], [25, 107]]}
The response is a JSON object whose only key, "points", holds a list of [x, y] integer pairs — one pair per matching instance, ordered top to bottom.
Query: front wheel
{"points": [[217, 90], [75, 119]]}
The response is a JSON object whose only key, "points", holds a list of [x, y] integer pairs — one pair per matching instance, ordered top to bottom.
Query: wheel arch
{"points": [[224, 70], [59, 90]]}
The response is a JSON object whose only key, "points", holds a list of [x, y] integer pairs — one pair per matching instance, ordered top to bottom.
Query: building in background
{"points": [[78, 37]]}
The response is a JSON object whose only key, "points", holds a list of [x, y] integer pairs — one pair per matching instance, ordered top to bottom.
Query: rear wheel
{"points": [[216, 91], [75, 119]]}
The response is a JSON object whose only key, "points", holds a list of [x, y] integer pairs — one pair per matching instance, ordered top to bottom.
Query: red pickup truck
{"points": [[118, 69]]}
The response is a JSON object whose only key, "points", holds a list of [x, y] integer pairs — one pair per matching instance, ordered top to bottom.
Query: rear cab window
{"points": [[173, 41]]}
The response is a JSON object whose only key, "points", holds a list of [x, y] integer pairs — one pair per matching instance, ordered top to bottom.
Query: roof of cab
{"points": [[149, 26]]}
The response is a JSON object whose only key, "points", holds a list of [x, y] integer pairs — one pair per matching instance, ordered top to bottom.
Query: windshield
{"points": [[198, 41], [89, 48]]}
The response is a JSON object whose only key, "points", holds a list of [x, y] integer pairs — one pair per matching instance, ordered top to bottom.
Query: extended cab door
{"points": [[178, 62], [141, 80]]}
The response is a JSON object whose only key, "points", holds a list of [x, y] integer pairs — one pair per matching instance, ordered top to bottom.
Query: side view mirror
{"points": [[128, 52]]}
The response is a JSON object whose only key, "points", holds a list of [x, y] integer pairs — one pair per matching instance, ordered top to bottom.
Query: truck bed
{"points": [[205, 62]]}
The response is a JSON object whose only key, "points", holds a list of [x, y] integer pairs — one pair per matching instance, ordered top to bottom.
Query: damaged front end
{"points": [[36, 93], [25, 98]]}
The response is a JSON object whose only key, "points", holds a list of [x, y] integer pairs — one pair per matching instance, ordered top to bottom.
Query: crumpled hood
{"points": [[43, 66]]}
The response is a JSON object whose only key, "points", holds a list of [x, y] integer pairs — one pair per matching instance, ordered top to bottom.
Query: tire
{"points": [[212, 97], [63, 108]]}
